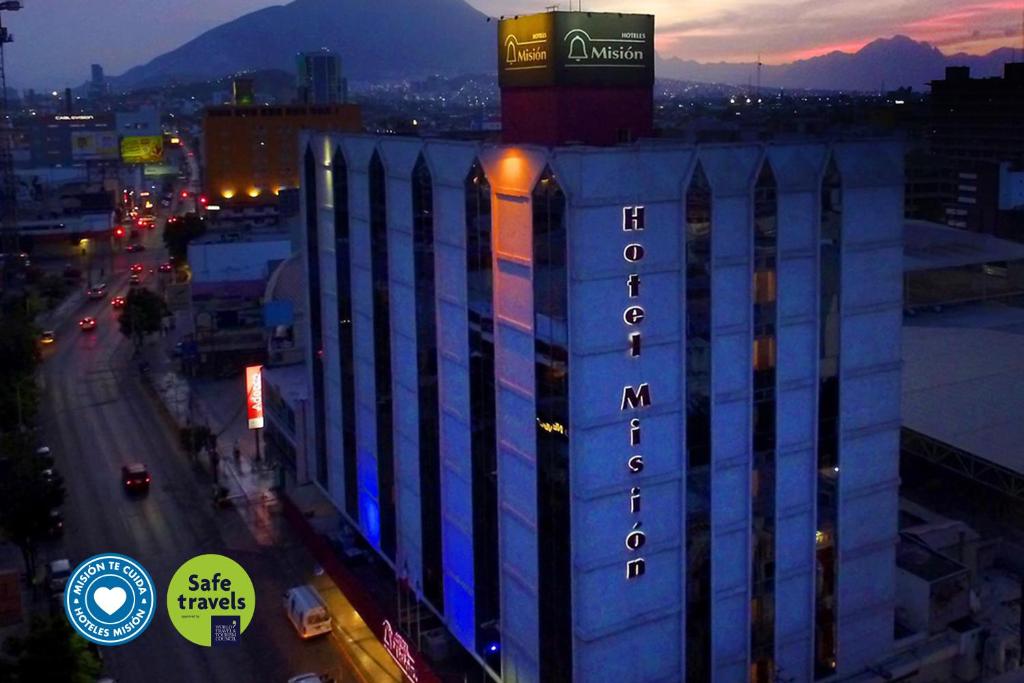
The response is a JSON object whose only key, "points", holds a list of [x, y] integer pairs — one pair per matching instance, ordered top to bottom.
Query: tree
{"points": [[179, 231], [142, 314], [19, 358], [193, 438], [27, 496], [50, 652]]}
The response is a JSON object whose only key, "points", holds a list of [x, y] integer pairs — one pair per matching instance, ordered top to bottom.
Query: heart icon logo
{"points": [[109, 599]]}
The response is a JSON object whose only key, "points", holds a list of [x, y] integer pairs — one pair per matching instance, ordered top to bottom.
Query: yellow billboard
{"points": [[142, 149]]}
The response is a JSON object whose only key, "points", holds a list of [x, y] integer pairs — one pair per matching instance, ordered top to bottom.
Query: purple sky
{"points": [[52, 50]]}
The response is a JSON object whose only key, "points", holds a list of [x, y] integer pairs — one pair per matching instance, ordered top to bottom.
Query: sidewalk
{"points": [[220, 404]]}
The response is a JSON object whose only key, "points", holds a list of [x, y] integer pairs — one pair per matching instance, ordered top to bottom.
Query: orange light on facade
{"points": [[227, 194]]}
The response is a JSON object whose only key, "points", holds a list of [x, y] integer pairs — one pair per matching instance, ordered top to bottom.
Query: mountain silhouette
{"points": [[376, 39], [394, 39], [887, 62]]}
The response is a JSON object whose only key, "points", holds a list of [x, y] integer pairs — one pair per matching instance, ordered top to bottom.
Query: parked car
{"points": [[44, 457], [55, 526], [57, 574], [307, 611]]}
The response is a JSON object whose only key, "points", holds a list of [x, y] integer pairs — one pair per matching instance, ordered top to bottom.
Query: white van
{"points": [[306, 611]]}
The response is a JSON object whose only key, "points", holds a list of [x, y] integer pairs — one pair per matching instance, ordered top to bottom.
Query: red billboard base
{"points": [[587, 115], [412, 661]]}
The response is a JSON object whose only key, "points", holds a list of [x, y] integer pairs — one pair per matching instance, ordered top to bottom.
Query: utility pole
{"points": [[8, 184]]}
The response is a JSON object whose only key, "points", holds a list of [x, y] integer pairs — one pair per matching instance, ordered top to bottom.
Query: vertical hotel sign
{"points": [[254, 395], [635, 397]]}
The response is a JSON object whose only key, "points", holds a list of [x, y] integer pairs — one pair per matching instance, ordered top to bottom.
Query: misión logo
{"points": [[627, 49], [527, 52]]}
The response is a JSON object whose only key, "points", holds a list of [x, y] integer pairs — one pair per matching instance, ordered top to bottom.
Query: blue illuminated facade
{"points": [[618, 414]]}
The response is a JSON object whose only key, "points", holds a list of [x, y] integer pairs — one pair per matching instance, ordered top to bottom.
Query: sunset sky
{"points": [[56, 40]]}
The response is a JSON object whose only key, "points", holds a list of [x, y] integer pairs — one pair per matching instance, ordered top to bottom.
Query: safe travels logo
{"points": [[211, 600]]}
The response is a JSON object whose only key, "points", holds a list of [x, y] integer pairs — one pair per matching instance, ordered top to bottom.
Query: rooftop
{"points": [[929, 246], [963, 369]]}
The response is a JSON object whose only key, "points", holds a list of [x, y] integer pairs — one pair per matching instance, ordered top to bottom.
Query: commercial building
{"points": [[319, 78], [974, 130], [249, 153], [227, 289], [613, 412]]}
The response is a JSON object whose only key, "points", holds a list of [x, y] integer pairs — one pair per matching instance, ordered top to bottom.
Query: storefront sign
{"points": [[254, 395], [637, 396], [399, 650]]}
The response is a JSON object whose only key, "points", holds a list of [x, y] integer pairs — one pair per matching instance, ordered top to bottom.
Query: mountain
{"points": [[377, 39], [384, 39], [892, 62]]}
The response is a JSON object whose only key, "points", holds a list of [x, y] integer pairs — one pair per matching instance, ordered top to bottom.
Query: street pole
{"points": [[256, 437]]}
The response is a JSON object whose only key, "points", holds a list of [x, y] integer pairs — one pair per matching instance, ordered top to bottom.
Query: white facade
{"points": [[635, 629]]}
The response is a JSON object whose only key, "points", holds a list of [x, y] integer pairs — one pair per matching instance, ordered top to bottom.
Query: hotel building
{"points": [[614, 412]]}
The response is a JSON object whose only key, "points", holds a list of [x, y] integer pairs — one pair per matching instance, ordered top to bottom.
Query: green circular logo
{"points": [[210, 600]]}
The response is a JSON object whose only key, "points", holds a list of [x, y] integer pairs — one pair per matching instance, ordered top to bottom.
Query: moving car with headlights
{"points": [[135, 248], [165, 267], [134, 279], [97, 291], [87, 324], [47, 337], [135, 477]]}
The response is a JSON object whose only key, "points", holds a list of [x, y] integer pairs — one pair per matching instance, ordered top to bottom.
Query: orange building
{"points": [[251, 153]]}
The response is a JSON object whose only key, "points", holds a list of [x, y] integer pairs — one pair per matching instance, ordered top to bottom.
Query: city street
{"points": [[97, 415]]}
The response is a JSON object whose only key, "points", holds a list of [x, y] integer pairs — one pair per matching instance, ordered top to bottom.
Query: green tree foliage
{"points": [[178, 233], [142, 314], [19, 358], [27, 495], [50, 652]]}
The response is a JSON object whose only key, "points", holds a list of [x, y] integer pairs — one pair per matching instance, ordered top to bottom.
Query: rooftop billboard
{"points": [[576, 48], [142, 149]]}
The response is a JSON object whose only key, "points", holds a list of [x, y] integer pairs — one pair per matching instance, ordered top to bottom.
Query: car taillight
{"points": [[147, 478]]}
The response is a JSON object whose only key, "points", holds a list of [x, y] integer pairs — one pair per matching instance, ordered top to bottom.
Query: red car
{"points": [[137, 268], [117, 302], [87, 324], [135, 477]]}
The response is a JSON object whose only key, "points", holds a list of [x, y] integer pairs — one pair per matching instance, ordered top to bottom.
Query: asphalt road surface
{"points": [[96, 415]]}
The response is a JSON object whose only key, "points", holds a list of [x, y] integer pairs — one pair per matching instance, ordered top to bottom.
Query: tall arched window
{"points": [[829, 317], [551, 330], [316, 343], [346, 347], [382, 353], [426, 364], [482, 415], [698, 428], [762, 532]]}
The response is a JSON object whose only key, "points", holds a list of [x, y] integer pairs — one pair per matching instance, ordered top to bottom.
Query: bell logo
{"points": [[578, 44], [510, 50]]}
